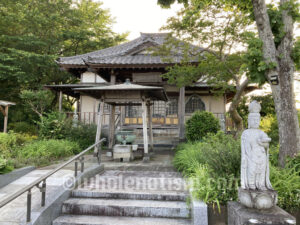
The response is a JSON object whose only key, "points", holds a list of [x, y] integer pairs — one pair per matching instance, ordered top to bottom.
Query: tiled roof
{"points": [[124, 53], [151, 92]]}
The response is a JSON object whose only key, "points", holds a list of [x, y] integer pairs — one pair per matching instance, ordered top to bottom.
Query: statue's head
{"points": [[254, 115]]}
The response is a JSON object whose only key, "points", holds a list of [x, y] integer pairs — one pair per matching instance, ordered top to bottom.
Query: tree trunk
{"points": [[283, 92], [237, 119], [289, 134]]}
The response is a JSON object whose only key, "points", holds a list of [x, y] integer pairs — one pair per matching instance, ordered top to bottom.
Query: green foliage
{"points": [[34, 33], [296, 53], [255, 65], [38, 101], [200, 124], [269, 124], [54, 125], [23, 127], [83, 134], [8, 142], [11, 142], [43, 152], [222, 154], [188, 157], [213, 164], [5, 167], [213, 169], [287, 183], [211, 190]]}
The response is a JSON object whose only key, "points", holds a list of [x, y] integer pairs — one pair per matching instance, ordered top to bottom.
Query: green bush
{"points": [[200, 124], [54, 125], [23, 127], [83, 134], [11, 142], [8, 143], [43, 152], [222, 154], [188, 157], [214, 166], [5, 167], [286, 182], [213, 190]]}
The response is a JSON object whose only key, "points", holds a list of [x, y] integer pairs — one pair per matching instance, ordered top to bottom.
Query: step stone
{"points": [[135, 195], [121, 207], [106, 220]]}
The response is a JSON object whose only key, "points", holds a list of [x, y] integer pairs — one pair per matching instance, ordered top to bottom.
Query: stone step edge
{"points": [[130, 195], [130, 208], [88, 220]]}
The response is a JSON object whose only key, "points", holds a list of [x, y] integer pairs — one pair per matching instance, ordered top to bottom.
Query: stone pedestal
{"points": [[123, 152], [258, 199], [238, 214]]}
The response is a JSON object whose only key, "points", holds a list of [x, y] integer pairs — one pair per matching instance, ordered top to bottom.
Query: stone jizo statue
{"points": [[256, 190]]}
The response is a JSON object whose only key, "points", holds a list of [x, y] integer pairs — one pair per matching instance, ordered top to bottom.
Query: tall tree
{"points": [[275, 24], [36, 32], [220, 63]]}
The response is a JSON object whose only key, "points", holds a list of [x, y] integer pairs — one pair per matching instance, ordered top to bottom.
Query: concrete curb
{"points": [[8, 178], [51, 211], [199, 213]]}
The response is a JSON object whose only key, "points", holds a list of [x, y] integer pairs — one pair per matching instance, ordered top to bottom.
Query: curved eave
{"points": [[160, 65]]}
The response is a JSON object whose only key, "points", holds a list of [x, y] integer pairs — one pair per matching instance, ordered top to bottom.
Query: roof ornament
{"points": [[127, 81]]}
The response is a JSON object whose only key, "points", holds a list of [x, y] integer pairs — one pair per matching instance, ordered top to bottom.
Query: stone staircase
{"points": [[128, 198]]}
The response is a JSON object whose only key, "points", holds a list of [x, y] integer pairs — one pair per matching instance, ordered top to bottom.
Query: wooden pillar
{"points": [[112, 77], [60, 101], [112, 110], [149, 112], [181, 112], [122, 115], [5, 119], [99, 125], [112, 127], [145, 135]]}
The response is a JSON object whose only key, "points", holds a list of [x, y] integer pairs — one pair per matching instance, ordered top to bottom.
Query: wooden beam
{"points": [[60, 101], [149, 112], [181, 112], [5, 119], [99, 125], [112, 127], [145, 135]]}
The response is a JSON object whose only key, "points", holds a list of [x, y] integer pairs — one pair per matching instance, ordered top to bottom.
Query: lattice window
{"points": [[194, 103], [172, 107], [106, 108], [159, 109], [133, 111]]}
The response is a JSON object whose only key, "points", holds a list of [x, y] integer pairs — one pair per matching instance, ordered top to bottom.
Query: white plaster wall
{"points": [[90, 77], [89, 109]]}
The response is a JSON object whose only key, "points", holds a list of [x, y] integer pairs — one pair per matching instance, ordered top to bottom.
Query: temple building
{"points": [[134, 62]]}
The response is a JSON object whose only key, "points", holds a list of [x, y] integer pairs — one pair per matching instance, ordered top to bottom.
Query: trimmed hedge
{"points": [[200, 124]]}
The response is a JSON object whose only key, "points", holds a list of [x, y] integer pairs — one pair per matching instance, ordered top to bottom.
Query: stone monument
{"points": [[257, 198]]}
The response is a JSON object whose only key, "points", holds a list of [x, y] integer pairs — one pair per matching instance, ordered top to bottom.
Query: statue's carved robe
{"points": [[255, 161]]}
